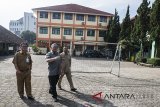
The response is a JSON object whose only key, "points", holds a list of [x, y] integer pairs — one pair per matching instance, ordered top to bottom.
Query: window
{"points": [[44, 15], [56, 16], [68, 16], [80, 17], [91, 18], [103, 19], [43, 30], [56, 31], [67, 31], [79, 32], [90, 32], [102, 33]]}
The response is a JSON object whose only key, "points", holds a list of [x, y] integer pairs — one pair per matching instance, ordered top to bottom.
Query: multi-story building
{"points": [[27, 22], [82, 26]]}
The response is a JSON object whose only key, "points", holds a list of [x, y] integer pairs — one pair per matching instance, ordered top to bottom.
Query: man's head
{"points": [[24, 47], [54, 47], [65, 49]]}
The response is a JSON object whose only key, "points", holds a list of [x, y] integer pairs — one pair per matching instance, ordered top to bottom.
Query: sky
{"points": [[14, 9]]}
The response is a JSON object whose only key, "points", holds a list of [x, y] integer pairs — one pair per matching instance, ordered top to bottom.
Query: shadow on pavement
{"points": [[4, 58], [144, 83], [89, 101], [35, 103], [69, 103]]}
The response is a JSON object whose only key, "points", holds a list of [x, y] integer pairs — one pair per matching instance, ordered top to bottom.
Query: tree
{"points": [[144, 17], [155, 25], [126, 27], [141, 27], [114, 29], [135, 33], [125, 35], [28, 36]]}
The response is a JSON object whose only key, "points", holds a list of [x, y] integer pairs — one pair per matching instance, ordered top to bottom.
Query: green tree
{"points": [[144, 17], [155, 25], [126, 27], [114, 29], [135, 33], [125, 35], [28, 36], [106, 38]]}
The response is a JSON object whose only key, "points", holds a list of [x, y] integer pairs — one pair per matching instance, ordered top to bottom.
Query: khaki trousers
{"points": [[65, 70], [24, 78]]}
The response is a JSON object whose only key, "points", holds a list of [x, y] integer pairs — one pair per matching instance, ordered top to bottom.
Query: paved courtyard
{"points": [[137, 86]]}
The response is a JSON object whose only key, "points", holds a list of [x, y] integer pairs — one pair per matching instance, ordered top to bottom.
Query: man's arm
{"points": [[48, 59], [70, 61], [30, 62], [15, 64]]}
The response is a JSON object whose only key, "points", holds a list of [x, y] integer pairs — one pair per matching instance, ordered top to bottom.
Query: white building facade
{"points": [[27, 22]]}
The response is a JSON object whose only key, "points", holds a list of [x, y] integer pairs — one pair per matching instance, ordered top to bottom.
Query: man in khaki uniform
{"points": [[23, 65], [66, 68]]}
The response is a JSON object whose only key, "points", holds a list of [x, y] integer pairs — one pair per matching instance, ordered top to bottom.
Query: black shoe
{"points": [[60, 88], [73, 89], [50, 92], [22, 96], [31, 98], [55, 99]]}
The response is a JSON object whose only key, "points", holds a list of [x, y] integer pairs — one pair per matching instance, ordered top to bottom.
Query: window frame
{"points": [[43, 15], [56, 15], [68, 16], [80, 17], [92, 18], [102, 19], [42, 30], [56, 30], [102, 31], [69, 32], [79, 32], [89, 33]]}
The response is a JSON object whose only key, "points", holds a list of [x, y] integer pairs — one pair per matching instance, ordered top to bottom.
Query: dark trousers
{"points": [[53, 82]]}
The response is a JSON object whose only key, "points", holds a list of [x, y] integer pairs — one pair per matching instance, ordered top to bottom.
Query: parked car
{"points": [[107, 53], [92, 54]]}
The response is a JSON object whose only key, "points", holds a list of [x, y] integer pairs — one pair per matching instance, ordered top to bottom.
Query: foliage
{"points": [[143, 14], [155, 25], [126, 27], [114, 30], [28, 36], [35, 49], [138, 57], [154, 61]]}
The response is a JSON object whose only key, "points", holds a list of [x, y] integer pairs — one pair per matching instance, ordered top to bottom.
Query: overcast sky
{"points": [[14, 9]]}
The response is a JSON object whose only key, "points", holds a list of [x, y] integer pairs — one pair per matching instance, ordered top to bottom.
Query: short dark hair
{"points": [[24, 44], [54, 45]]}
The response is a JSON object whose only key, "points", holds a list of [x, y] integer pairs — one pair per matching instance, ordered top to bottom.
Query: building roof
{"points": [[73, 8], [8, 37]]}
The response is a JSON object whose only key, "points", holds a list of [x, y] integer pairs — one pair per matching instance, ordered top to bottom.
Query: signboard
{"points": [[10, 48]]}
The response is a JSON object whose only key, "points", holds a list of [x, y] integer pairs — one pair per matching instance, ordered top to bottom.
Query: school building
{"points": [[82, 26]]}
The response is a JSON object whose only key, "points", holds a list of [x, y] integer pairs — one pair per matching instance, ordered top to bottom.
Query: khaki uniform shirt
{"points": [[66, 59], [23, 61]]}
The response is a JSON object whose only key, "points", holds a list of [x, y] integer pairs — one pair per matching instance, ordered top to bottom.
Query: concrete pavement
{"points": [[137, 86]]}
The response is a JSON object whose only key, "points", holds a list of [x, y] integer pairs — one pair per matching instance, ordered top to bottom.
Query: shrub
{"points": [[35, 49], [138, 57], [144, 60], [154, 61]]}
